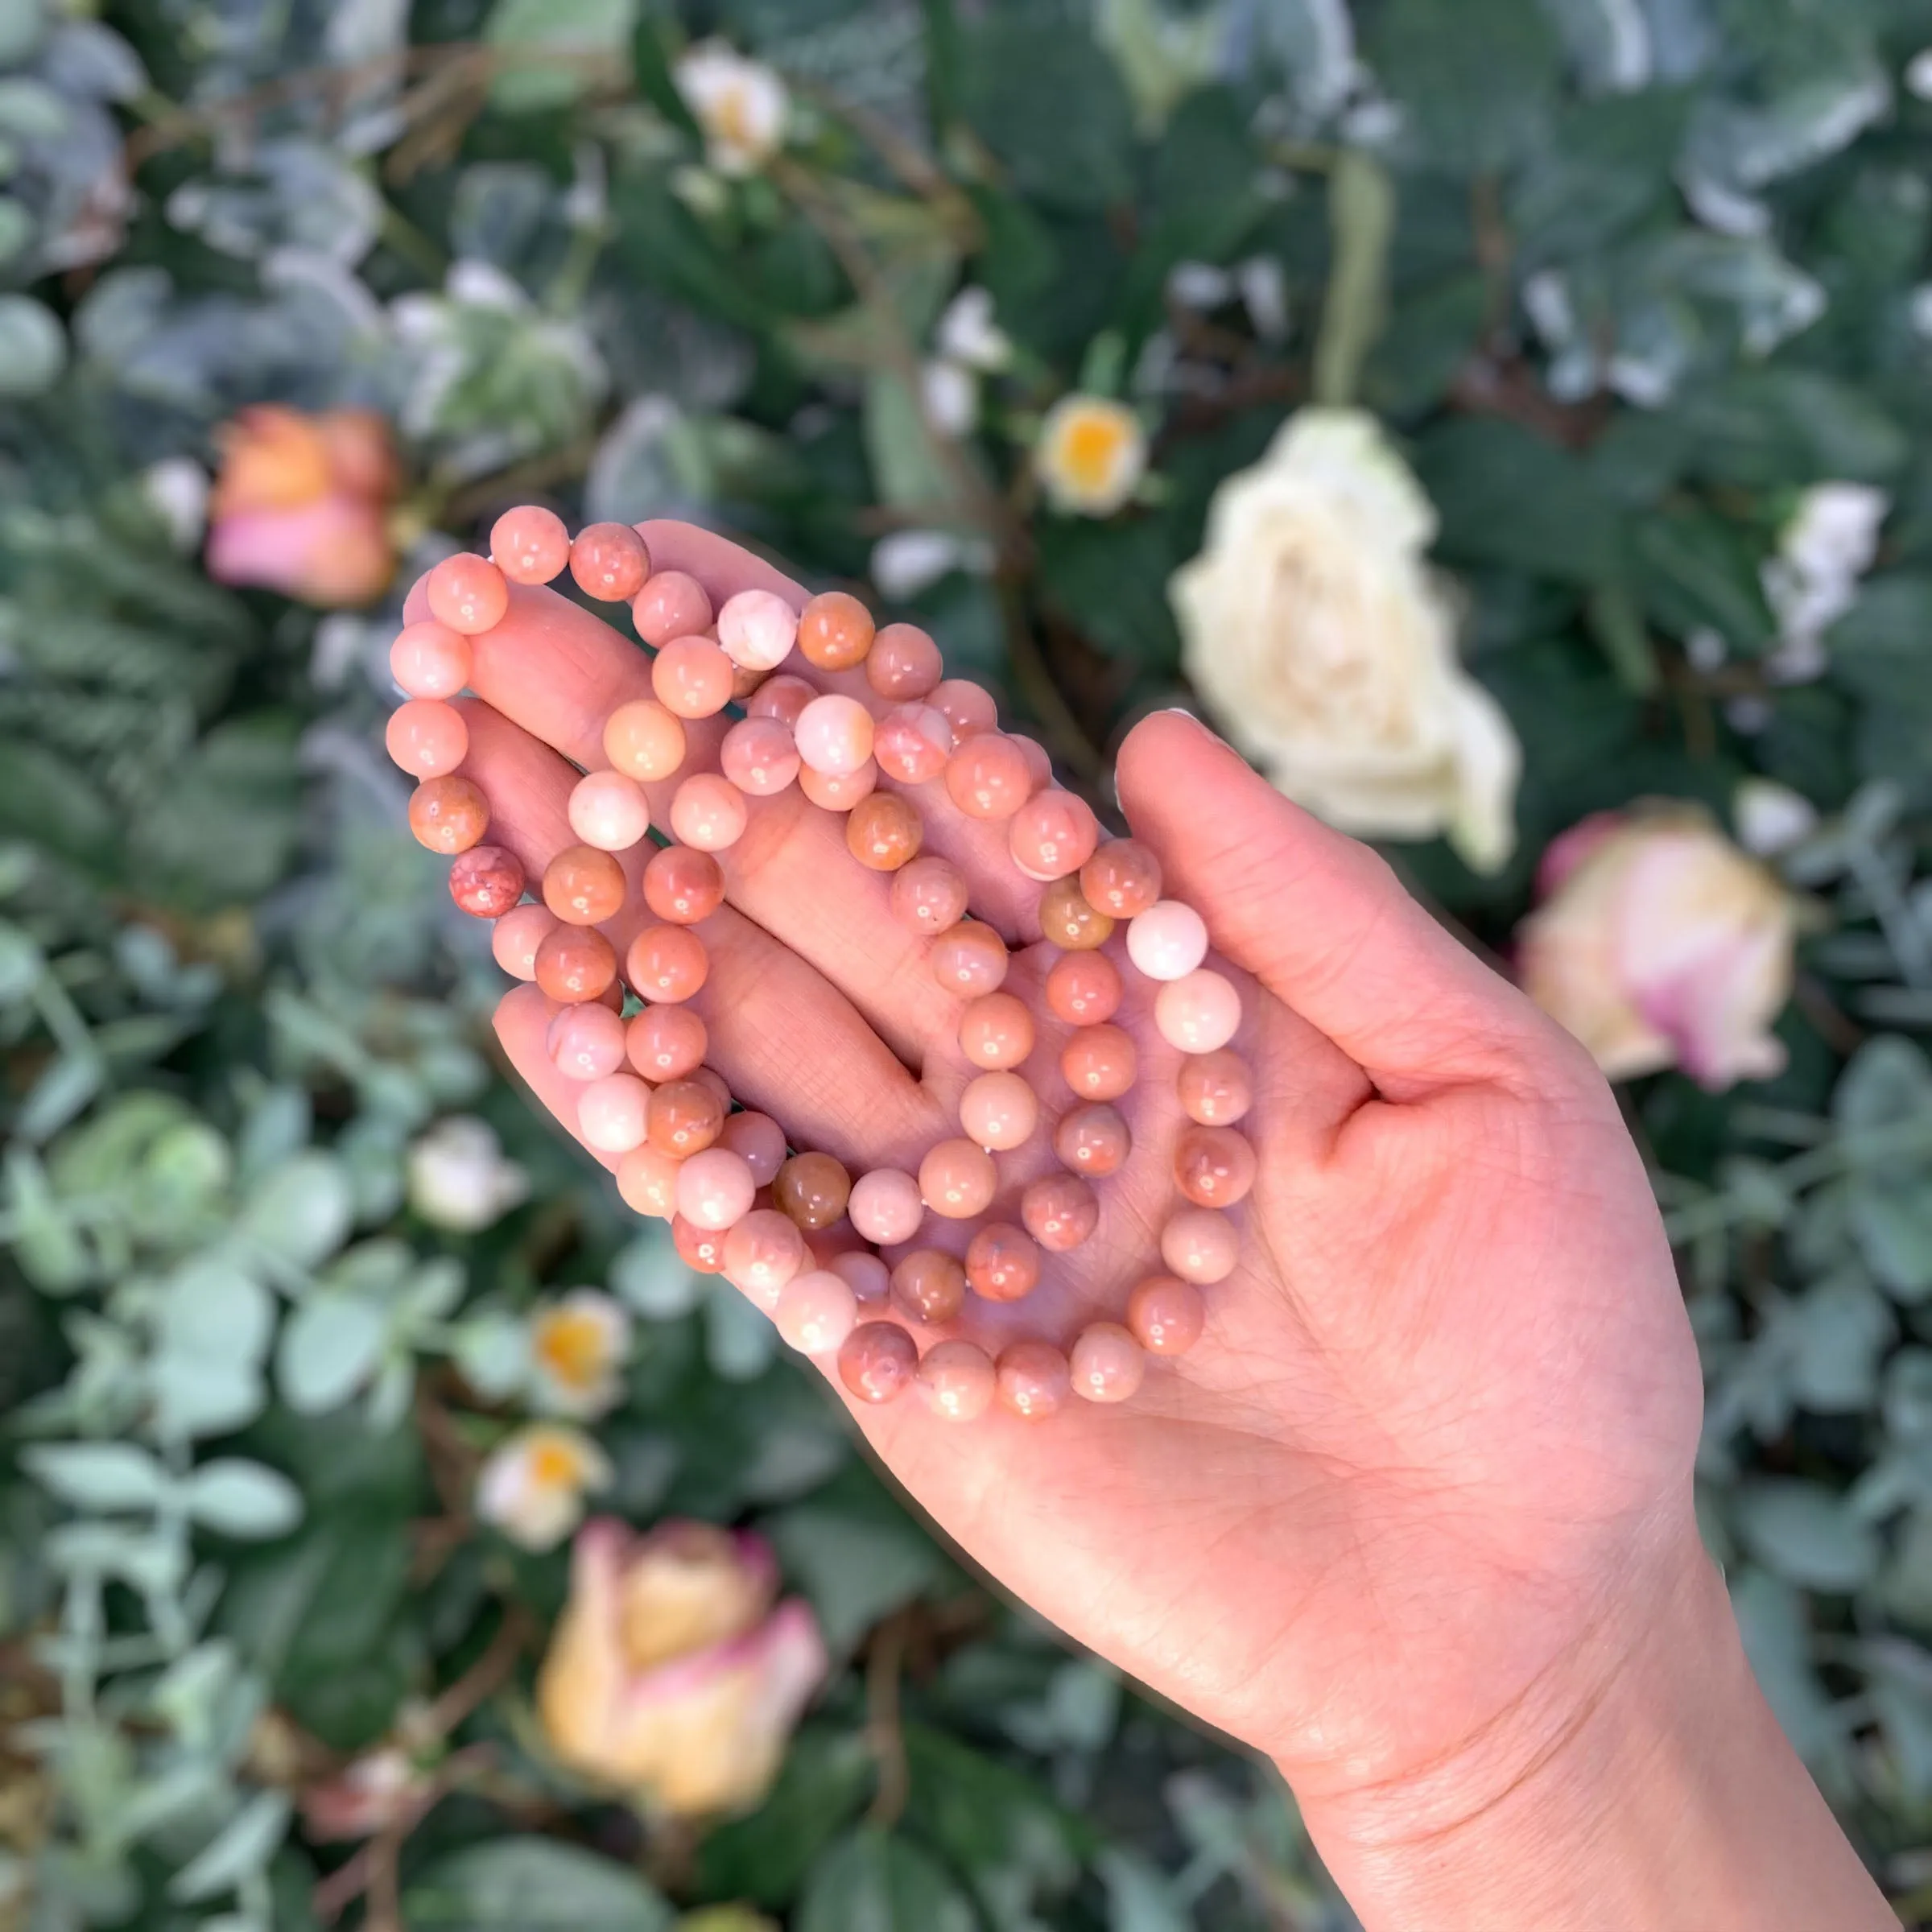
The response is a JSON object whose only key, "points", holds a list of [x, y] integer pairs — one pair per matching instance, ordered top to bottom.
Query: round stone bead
{"points": [[530, 544], [609, 562], [468, 593], [672, 604], [757, 629], [836, 631], [429, 660], [903, 664], [692, 678], [783, 697], [968, 706], [834, 735], [427, 737], [643, 740], [912, 743], [759, 756], [1037, 762], [988, 777], [839, 791], [608, 810], [709, 812], [448, 814], [883, 832], [1052, 834], [1122, 879], [486, 882], [683, 885], [584, 886], [929, 895], [1068, 922], [515, 937], [1167, 941], [971, 959], [575, 963], [667, 963], [1084, 988], [1199, 1013], [997, 1031], [586, 1041], [665, 1043], [1098, 1063], [710, 1078], [1215, 1088], [999, 1111], [613, 1113], [686, 1117], [761, 1140], [1093, 1140], [1214, 1167], [957, 1180], [648, 1182], [715, 1188], [813, 1189], [886, 1208], [1060, 1212], [1200, 1246], [701, 1249], [762, 1252], [1002, 1262], [869, 1278], [929, 1285], [815, 1312], [1165, 1315], [877, 1361], [1106, 1363], [957, 1380], [1033, 1380]]}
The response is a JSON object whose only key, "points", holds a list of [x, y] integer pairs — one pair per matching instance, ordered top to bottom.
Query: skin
{"points": [[1415, 1517]]}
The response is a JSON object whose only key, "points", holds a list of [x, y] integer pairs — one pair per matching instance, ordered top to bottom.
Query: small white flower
{"points": [[1918, 75], [740, 104], [1199, 285], [1264, 295], [1921, 310], [967, 333], [950, 393], [1091, 455], [176, 490], [1823, 551], [907, 562], [1771, 818], [458, 1178], [578, 1344], [533, 1485]]}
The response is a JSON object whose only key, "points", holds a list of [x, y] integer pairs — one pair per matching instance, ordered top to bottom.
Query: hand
{"points": [[1410, 1516]]}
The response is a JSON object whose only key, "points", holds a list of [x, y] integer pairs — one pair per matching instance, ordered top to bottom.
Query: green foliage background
{"points": [[1625, 277]]}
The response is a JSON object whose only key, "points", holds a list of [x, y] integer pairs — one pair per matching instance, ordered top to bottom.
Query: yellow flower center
{"points": [[731, 118], [1091, 446], [574, 1347], [554, 1464]]}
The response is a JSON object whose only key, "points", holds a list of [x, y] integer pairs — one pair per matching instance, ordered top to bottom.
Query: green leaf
{"points": [[588, 39], [1474, 78], [1361, 214], [33, 347], [1766, 428], [907, 466], [1506, 496], [1694, 572], [20, 963], [302, 1211], [213, 1307], [328, 1348], [97, 1475], [244, 1499], [1806, 1534], [855, 1567], [241, 1848], [764, 1857], [870, 1882], [535, 1884]]}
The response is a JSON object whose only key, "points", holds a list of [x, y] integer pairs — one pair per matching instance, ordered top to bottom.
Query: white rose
{"points": [[1316, 635]]}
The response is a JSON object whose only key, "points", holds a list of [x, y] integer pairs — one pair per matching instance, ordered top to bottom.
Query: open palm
{"points": [[1443, 1415]]}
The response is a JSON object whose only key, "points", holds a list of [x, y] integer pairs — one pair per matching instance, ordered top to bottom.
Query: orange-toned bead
{"points": [[530, 544], [609, 561], [468, 593], [672, 604], [836, 631], [429, 660], [903, 664], [692, 678], [783, 697], [968, 706], [427, 737], [644, 741], [912, 744], [987, 777], [839, 791], [709, 812], [448, 814], [883, 832], [1052, 834], [1122, 879], [486, 882], [683, 885], [584, 886], [929, 895], [1069, 922], [514, 938], [971, 959], [575, 963], [667, 963], [1084, 988], [996, 1031], [667, 1043], [1098, 1063], [1216, 1088], [999, 1111], [686, 1118], [1091, 1139], [1214, 1167], [957, 1180], [648, 1181], [812, 1189], [1060, 1210], [701, 1249], [1002, 1262], [929, 1285], [1166, 1315], [877, 1361], [1106, 1362], [957, 1379], [1034, 1381]]}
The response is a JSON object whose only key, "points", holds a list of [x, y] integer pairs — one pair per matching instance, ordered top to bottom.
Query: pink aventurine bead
{"points": [[530, 544], [609, 562], [468, 593], [671, 605], [758, 629], [429, 660], [904, 663], [691, 678], [783, 697], [968, 706], [834, 735], [427, 737], [912, 743], [759, 756], [1037, 762], [987, 776], [839, 791], [608, 810], [709, 812], [1052, 834], [929, 895], [514, 938], [1167, 941], [970, 959], [1084, 988], [1197, 1013], [997, 1031], [586, 1042], [667, 1043], [1098, 1063], [709, 1077], [1215, 1088], [999, 1111], [613, 1114], [759, 1139], [1093, 1140], [647, 1178], [957, 1180], [715, 1189], [886, 1208], [1060, 1212], [1200, 1246], [762, 1252], [1002, 1262], [869, 1278], [815, 1312], [1165, 1315], [877, 1361], [1105, 1364], [957, 1379], [1033, 1380]]}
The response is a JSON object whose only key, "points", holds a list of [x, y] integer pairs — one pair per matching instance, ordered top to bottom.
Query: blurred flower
{"points": [[1163, 57], [1918, 75], [740, 104], [967, 334], [950, 393], [1092, 455], [175, 490], [301, 503], [1825, 547], [909, 561], [1313, 632], [1771, 818], [1660, 944], [458, 1178], [577, 1347], [532, 1486], [671, 1674], [379, 1789]]}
